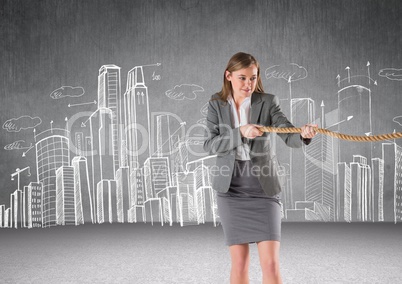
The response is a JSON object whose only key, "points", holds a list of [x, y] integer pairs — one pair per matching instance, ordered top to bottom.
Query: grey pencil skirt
{"points": [[246, 213]]}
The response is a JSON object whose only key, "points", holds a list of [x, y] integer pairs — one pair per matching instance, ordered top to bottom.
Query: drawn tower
{"points": [[109, 96], [354, 99], [302, 112], [137, 118], [52, 152], [102, 159]]}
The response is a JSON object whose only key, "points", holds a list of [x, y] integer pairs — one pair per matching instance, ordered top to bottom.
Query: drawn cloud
{"points": [[291, 72], [391, 73], [67, 91], [184, 91], [398, 119], [21, 123], [17, 145]]}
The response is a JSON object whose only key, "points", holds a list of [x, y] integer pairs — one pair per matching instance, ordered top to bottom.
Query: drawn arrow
{"points": [[156, 64], [348, 69], [368, 71], [339, 80], [81, 104], [347, 119], [181, 125], [25, 153]]}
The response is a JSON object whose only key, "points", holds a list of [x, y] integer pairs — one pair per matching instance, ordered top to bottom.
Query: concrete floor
{"points": [[141, 253]]}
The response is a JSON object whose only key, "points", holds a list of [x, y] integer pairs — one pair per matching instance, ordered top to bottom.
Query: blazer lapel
{"points": [[255, 107], [225, 111]]}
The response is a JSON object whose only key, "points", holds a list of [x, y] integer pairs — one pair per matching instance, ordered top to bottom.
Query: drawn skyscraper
{"points": [[109, 96], [354, 100], [302, 112], [137, 118], [163, 136], [52, 152], [392, 156], [102, 158], [377, 166], [320, 173], [156, 176], [398, 184], [82, 187], [123, 193], [361, 193], [342, 195], [65, 197], [185, 198], [107, 201], [206, 203], [16, 205], [26, 206], [34, 206], [2, 214]]}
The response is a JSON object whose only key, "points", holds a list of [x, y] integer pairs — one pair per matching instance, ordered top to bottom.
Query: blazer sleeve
{"points": [[278, 119], [220, 138]]}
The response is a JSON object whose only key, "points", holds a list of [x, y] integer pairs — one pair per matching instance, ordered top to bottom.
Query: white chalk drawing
{"points": [[291, 72], [391, 74], [357, 77], [67, 91], [184, 91], [82, 104], [204, 110], [398, 119], [202, 121], [21, 123], [17, 145], [32, 146], [121, 171], [339, 187]]}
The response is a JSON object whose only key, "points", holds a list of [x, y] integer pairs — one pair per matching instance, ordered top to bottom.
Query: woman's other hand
{"points": [[250, 131], [309, 131]]}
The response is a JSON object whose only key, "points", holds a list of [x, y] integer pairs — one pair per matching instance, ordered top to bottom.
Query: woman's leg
{"points": [[269, 261], [240, 262]]}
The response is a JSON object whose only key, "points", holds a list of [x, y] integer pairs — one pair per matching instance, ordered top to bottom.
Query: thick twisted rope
{"points": [[354, 138]]}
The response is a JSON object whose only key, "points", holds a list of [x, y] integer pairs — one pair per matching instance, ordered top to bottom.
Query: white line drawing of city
{"points": [[128, 164]]}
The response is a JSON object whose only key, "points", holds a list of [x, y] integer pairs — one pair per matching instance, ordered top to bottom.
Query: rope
{"points": [[354, 138]]}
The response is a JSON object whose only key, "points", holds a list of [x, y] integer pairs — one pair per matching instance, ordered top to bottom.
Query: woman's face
{"points": [[243, 81]]}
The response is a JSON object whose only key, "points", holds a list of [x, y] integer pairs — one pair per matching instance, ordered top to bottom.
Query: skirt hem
{"points": [[272, 237]]}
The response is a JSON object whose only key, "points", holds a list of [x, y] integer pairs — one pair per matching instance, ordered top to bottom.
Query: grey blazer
{"points": [[221, 140]]}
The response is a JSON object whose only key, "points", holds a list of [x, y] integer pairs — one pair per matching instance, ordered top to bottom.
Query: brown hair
{"points": [[239, 61]]}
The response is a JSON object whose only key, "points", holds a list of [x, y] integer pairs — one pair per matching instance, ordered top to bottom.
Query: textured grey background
{"points": [[48, 44], [123, 253]]}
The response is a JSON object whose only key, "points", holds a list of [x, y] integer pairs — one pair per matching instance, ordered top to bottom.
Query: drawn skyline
{"points": [[128, 163]]}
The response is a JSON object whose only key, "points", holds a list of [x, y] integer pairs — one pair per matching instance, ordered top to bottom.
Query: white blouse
{"points": [[243, 118]]}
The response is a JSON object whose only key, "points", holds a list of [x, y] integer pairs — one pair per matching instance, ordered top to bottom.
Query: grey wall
{"points": [[49, 44]]}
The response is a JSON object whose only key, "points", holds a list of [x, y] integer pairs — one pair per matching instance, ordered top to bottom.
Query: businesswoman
{"points": [[246, 172]]}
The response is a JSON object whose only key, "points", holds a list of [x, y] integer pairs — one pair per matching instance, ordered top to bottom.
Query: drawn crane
{"points": [[17, 173]]}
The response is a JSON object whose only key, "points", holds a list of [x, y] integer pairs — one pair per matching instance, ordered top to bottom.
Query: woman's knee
{"points": [[240, 264], [270, 266]]}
